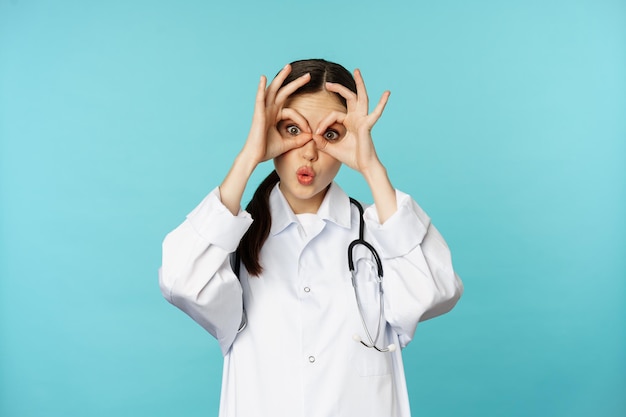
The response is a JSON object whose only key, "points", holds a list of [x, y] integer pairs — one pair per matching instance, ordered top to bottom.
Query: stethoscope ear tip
{"points": [[356, 337], [391, 347]]}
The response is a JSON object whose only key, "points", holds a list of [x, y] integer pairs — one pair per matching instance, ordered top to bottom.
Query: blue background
{"points": [[506, 122]]}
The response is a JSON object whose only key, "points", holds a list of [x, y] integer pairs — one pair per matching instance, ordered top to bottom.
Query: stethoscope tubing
{"points": [[379, 278]]}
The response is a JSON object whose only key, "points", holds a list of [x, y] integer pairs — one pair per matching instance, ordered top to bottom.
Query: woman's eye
{"points": [[293, 130], [331, 135]]}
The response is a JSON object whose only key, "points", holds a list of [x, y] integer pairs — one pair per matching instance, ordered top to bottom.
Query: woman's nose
{"points": [[309, 150]]}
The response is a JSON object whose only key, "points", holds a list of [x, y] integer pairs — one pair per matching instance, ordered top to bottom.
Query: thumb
{"points": [[298, 141], [320, 142], [332, 149]]}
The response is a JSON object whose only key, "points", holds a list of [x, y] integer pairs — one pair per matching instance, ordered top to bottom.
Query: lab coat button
{"points": [[307, 289], [311, 359]]}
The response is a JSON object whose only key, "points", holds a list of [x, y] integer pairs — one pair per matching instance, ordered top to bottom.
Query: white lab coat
{"points": [[297, 356]]}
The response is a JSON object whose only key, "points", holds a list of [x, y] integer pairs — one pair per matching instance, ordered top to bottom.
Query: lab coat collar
{"points": [[335, 208]]}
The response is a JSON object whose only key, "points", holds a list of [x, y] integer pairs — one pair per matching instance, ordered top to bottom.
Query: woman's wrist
{"points": [[245, 163], [374, 172], [234, 185], [382, 191]]}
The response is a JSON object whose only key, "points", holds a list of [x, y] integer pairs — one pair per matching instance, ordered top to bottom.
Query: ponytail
{"points": [[253, 240]]}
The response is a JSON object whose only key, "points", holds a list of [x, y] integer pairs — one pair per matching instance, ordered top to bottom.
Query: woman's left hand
{"points": [[356, 148]]}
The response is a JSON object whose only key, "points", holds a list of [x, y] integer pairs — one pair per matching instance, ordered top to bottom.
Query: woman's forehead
{"points": [[321, 101]]}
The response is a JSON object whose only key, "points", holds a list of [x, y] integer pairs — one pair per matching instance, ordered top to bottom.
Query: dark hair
{"points": [[321, 72], [252, 241]]}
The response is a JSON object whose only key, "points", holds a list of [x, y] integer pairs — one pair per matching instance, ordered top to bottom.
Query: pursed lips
{"points": [[306, 175]]}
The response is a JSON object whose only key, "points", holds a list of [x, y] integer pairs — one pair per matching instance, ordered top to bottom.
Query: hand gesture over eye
{"points": [[264, 141], [356, 148]]}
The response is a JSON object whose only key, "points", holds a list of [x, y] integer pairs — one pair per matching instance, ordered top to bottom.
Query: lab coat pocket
{"points": [[370, 362]]}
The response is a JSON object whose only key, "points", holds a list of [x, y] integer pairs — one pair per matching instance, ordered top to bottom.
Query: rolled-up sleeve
{"points": [[196, 275]]}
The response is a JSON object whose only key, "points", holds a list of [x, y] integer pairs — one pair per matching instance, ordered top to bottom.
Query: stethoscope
{"points": [[379, 278]]}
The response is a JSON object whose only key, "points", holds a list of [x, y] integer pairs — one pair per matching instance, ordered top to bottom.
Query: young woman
{"points": [[302, 334]]}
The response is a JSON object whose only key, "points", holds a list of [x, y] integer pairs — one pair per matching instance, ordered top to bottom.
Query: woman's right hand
{"points": [[264, 141]]}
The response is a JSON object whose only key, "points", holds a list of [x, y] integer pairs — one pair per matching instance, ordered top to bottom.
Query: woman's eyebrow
{"points": [[291, 119], [283, 122]]}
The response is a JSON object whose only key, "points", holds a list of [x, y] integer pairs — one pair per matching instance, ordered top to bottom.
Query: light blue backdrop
{"points": [[506, 122]]}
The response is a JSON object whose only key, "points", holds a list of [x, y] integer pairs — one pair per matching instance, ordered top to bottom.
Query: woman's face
{"points": [[305, 172]]}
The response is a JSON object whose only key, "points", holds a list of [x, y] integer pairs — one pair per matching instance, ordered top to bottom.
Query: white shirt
{"points": [[297, 356]]}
